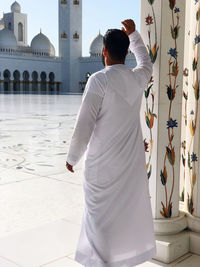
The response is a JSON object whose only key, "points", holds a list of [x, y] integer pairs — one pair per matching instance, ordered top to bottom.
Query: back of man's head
{"points": [[117, 43]]}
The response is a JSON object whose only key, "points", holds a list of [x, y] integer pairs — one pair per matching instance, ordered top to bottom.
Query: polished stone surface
{"points": [[35, 187], [41, 203], [40, 245]]}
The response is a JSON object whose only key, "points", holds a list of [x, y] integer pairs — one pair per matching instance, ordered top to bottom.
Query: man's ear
{"points": [[105, 51]]}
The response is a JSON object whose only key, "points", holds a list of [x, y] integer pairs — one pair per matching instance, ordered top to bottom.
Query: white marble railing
{"points": [[11, 52]]}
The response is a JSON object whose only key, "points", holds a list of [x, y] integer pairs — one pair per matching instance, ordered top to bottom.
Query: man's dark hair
{"points": [[117, 43]]}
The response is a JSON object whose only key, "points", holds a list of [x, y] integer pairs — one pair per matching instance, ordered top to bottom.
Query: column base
{"points": [[193, 222], [170, 226], [195, 243], [171, 247]]}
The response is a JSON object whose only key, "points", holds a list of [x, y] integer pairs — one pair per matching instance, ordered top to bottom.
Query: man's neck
{"points": [[110, 63]]}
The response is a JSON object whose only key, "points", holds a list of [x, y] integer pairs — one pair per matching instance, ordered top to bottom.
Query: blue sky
{"points": [[97, 15]]}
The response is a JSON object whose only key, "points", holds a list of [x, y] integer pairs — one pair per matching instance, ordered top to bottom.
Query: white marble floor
{"points": [[41, 202]]}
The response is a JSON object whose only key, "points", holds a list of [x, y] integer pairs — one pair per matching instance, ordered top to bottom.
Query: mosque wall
{"points": [[130, 61], [90, 65], [29, 69]]}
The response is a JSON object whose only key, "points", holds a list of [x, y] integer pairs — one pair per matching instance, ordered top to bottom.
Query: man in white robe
{"points": [[117, 225]]}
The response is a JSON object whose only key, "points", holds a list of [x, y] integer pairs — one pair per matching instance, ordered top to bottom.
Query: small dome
{"points": [[15, 7], [7, 39], [41, 44], [96, 46], [52, 50]]}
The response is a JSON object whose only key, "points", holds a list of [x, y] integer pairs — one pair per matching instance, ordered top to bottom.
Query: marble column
{"points": [[163, 30], [1, 86], [11, 87], [192, 128]]}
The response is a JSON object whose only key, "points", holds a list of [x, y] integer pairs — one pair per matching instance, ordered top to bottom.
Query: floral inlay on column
{"points": [[149, 93], [183, 144], [192, 155], [167, 174]]}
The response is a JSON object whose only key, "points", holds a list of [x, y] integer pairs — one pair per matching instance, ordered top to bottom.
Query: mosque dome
{"points": [[15, 7], [7, 39], [41, 44], [96, 46], [52, 50]]}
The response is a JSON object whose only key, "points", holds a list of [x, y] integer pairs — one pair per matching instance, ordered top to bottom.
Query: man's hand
{"points": [[129, 26], [69, 167]]}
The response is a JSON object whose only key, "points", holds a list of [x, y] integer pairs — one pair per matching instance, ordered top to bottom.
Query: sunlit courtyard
{"points": [[36, 189], [41, 203]]}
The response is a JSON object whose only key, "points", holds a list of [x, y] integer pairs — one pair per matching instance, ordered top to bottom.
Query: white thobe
{"points": [[117, 225]]}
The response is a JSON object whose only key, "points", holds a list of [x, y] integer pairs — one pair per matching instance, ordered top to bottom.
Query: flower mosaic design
{"points": [[151, 2], [172, 4], [176, 10], [149, 20], [197, 39], [173, 52], [186, 72], [149, 93], [185, 100], [150, 119], [172, 123], [146, 146], [183, 146], [192, 158], [167, 174]]}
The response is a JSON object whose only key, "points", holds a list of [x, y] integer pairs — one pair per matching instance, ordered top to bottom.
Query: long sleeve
{"points": [[144, 67], [86, 119]]}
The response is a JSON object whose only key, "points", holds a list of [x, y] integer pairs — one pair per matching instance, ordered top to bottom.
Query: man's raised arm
{"points": [[144, 67]]}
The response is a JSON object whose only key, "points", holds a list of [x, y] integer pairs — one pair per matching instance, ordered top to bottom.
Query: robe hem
{"points": [[130, 262]]}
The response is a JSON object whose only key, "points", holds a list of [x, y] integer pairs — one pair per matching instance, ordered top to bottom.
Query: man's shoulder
{"points": [[99, 74], [100, 77]]}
